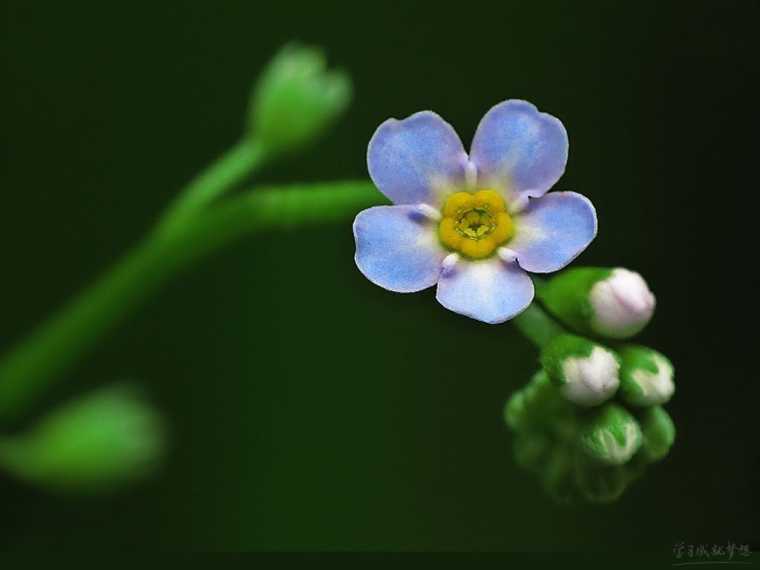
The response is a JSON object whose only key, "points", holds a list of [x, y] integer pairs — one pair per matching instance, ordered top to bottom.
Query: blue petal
{"points": [[519, 150], [415, 160], [552, 231], [397, 248], [491, 290]]}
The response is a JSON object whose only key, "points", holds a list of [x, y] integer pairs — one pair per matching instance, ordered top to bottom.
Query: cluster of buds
{"points": [[591, 419]]}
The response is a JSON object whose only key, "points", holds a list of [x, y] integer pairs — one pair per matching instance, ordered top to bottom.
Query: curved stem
{"points": [[230, 169], [66, 337]]}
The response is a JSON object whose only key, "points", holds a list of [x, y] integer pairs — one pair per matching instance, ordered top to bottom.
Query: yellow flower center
{"points": [[475, 224]]}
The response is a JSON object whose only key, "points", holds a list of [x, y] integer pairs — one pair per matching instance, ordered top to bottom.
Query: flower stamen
{"points": [[475, 224]]}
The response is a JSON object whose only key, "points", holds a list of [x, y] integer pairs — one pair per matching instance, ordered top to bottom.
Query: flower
{"points": [[474, 225], [622, 304], [586, 372]]}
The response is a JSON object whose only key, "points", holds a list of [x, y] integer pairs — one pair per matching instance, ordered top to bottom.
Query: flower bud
{"points": [[296, 99], [614, 303], [621, 304], [586, 372], [646, 376], [535, 405], [658, 433], [611, 436], [102, 439], [532, 449], [557, 474], [599, 483]]}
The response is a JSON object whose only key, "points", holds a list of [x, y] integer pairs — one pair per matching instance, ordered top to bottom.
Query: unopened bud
{"points": [[296, 99], [615, 303], [621, 304], [586, 372], [646, 376], [537, 404], [659, 433], [611, 435], [104, 438], [532, 449], [599, 483]]}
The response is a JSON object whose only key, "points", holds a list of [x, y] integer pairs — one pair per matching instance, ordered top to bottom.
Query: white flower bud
{"points": [[621, 304], [586, 372], [647, 376], [592, 379]]}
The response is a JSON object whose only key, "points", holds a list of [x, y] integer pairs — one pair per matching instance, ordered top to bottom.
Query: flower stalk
{"points": [[232, 168], [537, 326], [65, 338]]}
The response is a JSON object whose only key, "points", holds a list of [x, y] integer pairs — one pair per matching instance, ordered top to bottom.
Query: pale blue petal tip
{"points": [[521, 148], [407, 158], [553, 230], [397, 249], [490, 291]]}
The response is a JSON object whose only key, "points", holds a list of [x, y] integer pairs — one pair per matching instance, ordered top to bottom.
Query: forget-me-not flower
{"points": [[472, 224]]}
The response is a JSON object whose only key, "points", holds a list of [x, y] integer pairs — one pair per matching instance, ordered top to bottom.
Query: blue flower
{"points": [[473, 225]]}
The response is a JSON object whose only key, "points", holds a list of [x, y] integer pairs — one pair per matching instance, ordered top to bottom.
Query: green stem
{"points": [[231, 168], [536, 325], [66, 337]]}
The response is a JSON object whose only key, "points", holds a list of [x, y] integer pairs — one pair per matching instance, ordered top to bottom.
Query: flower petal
{"points": [[519, 150], [414, 160], [552, 231], [397, 248], [491, 290]]}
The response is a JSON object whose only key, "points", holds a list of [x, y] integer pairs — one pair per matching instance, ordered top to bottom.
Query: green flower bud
{"points": [[296, 99], [614, 303], [586, 372], [646, 376], [536, 404], [658, 432], [611, 435], [102, 439], [532, 449], [558, 474], [600, 483]]}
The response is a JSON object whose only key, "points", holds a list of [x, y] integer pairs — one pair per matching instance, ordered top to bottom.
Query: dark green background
{"points": [[310, 409]]}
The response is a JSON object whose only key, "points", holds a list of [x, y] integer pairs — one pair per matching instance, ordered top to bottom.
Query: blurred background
{"points": [[310, 409]]}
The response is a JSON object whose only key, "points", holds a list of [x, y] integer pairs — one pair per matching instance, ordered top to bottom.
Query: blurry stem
{"points": [[231, 168], [537, 326], [68, 335]]}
